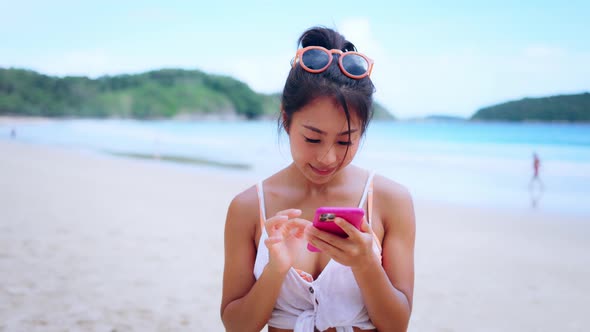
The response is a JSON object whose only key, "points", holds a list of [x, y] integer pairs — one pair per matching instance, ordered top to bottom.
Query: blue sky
{"points": [[431, 57]]}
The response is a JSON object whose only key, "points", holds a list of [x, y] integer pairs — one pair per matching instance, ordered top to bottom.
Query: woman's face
{"points": [[319, 139]]}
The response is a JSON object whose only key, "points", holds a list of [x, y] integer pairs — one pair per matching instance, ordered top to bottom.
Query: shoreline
{"points": [[14, 119], [185, 160], [247, 170]]}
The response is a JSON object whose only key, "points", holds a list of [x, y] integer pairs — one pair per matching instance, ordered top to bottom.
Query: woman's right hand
{"points": [[285, 238]]}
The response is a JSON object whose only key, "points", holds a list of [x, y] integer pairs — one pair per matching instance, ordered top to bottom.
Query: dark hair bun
{"points": [[324, 37], [302, 87]]}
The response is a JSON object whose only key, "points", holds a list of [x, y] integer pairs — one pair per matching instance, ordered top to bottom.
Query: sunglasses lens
{"points": [[315, 59], [355, 64]]}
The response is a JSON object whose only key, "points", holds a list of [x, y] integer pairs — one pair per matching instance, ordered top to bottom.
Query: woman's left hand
{"points": [[355, 251]]}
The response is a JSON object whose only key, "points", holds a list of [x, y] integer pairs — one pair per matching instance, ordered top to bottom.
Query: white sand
{"points": [[94, 243]]}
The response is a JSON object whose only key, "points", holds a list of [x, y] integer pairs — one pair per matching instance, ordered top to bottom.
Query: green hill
{"points": [[164, 93], [567, 108], [381, 113]]}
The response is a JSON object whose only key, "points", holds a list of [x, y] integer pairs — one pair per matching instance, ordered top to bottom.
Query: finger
{"points": [[291, 213], [299, 222], [275, 223], [296, 226], [347, 227], [365, 228], [350, 229], [319, 233], [354, 233], [315, 234], [272, 240], [325, 246]]}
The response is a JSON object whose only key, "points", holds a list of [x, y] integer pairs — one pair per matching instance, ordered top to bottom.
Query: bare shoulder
{"points": [[391, 191], [246, 201], [394, 203], [243, 212]]}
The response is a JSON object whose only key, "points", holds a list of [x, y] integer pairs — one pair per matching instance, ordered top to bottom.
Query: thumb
{"points": [[365, 228], [269, 242]]}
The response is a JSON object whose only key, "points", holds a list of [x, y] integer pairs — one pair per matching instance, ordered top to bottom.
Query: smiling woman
{"points": [[319, 144], [361, 282]]}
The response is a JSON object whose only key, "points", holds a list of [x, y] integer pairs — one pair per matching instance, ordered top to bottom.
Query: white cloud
{"points": [[358, 31], [543, 51], [82, 62], [87, 62], [98, 62], [263, 74], [462, 82]]}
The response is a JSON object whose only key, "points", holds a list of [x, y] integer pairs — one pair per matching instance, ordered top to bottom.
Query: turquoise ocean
{"points": [[476, 164]]}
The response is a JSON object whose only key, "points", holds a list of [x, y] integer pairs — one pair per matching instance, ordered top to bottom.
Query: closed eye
{"points": [[309, 140], [345, 143]]}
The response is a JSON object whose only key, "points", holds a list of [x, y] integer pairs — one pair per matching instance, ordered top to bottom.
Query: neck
{"points": [[299, 180]]}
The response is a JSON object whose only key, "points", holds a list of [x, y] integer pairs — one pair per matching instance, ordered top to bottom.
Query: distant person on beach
{"points": [[12, 133], [536, 186], [362, 282]]}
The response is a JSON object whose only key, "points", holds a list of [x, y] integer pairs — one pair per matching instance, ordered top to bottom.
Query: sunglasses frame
{"points": [[299, 56]]}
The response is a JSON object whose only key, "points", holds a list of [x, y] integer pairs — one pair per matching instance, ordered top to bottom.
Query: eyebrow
{"points": [[321, 132]]}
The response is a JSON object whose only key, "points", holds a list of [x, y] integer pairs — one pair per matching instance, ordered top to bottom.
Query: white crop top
{"points": [[332, 300]]}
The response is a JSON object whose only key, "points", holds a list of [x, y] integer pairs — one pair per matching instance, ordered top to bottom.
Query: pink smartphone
{"points": [[324, 220]]}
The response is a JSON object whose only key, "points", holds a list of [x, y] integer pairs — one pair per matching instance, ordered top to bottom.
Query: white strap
{"points": [[366, 191], [261, 199], [261, 206]]}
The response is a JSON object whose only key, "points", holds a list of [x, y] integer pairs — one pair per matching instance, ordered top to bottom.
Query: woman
{"points": [[363, 282]]}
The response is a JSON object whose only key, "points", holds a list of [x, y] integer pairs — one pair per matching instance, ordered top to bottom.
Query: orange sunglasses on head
{"points": [[316, 59]]}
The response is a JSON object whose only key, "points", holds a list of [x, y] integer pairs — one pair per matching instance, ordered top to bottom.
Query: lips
{"points": [[323, 171]]}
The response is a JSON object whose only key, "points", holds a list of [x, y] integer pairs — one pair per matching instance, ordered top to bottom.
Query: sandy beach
{"points": [[90, 242]]}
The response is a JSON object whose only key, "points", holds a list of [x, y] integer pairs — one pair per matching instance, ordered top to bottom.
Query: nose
{"points": [[328, 158]]}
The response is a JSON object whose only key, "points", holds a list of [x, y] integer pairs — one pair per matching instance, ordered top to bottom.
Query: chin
{"points": [[312, 176], [318, 178]]}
